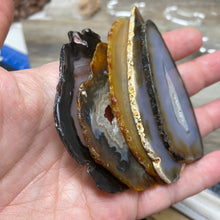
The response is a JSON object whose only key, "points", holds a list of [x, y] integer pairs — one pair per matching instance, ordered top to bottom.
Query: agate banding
{"points": [[122, 109]]}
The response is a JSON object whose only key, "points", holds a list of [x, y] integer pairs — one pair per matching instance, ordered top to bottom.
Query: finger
{"points": [[6, 14], [183, 42], [200, 72], [208, 117], [195, 178]]}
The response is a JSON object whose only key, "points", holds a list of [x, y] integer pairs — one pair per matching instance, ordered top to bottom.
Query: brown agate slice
{"points": [[118, 81], [100, 129]]}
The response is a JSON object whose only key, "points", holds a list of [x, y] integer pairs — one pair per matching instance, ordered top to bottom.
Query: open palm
{"points": [[39, 179]]}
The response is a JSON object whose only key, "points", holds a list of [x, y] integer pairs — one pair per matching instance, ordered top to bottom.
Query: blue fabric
{"points": [[14, 59]]}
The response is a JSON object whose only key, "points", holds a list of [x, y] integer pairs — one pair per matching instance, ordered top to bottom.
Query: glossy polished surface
{"points": [[72, 60], [118, 81], [126, 106], [173, 109], [103, 137], [167, 168]]}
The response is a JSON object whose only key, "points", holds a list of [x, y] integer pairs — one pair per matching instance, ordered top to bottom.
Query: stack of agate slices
{"points": [[121, 107]]}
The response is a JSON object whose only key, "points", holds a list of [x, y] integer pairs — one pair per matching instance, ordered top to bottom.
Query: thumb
{"points": [[6, 15]]}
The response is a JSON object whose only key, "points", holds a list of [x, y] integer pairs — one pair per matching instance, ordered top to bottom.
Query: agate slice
{"points": [[72, 63], [171, 105], [122, 109], [103, 137]]}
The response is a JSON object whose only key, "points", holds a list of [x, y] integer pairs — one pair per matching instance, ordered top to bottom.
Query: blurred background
{"points": [[42, 26]]}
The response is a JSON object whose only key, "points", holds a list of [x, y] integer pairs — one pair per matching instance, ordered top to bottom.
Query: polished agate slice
{"points": [[75, 58], [118, 81], [140, 102], [171, 104], [103, 137]]}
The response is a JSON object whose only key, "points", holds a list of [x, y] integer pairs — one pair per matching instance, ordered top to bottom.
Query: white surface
{"points": [[63, 9], [15, 38], [205, 205]]}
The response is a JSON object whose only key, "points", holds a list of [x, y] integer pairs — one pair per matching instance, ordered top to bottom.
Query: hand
{"points": [[37, 176]]}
